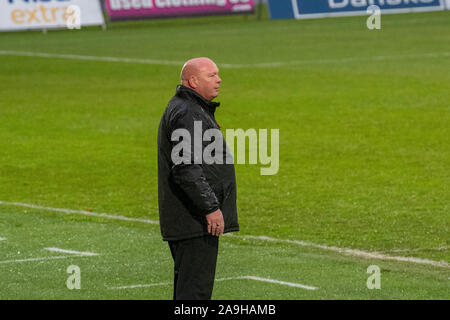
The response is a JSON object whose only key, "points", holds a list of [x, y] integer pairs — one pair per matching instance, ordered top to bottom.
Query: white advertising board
{"points": [[47, 14]]}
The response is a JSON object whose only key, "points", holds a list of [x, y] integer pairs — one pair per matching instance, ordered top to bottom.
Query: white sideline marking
{"points": [[89, 58], [335, 60], [274, 64], [82, 212], [1, 239], [443, 248], [353, 252], [78, 253], [39, 259], [283, 283], [134, 286]]}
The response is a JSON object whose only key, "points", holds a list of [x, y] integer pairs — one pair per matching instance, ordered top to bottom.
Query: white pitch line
{"points": [[89, 58], [334, 60], [274, 64], [82, 212], [2, 239], [443, 248], [353, 252], [78, 253], [39, 259], [283, 283], [134, 286]]}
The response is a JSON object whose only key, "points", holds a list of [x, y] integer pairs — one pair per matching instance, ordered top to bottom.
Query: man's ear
{"points": [[193, 82]]}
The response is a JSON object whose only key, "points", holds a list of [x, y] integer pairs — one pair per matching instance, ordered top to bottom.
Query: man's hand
{"points": [[216, 224]]}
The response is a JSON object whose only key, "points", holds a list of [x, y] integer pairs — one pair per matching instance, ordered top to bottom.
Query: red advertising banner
{"points": [[135, 9]]}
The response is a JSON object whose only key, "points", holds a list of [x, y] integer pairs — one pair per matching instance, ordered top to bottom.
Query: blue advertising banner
{"points": [[280, 9], [286, 9]]}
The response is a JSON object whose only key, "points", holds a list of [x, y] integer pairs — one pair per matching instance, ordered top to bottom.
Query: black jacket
{"points": [[188, 192]]}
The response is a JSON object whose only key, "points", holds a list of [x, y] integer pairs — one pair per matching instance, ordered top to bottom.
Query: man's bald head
{"points": [[193, 66], [202, 76]]}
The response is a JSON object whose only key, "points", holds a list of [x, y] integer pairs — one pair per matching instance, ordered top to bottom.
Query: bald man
{"points": [[197, 199]]}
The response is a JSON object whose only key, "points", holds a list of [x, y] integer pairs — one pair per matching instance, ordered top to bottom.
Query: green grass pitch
{"points": [[364, 122]]}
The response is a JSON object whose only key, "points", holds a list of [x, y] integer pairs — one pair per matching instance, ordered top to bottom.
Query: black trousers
{"points": [[194, 267]]}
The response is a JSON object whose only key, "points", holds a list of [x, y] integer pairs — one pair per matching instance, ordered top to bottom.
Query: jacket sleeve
{"points": [[188, 175]]}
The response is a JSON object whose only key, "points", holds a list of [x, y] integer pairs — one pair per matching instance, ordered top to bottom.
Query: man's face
{"points": [[208, 80]]}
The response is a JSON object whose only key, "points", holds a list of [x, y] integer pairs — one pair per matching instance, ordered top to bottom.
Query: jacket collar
{"points": [[188, 92]]}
